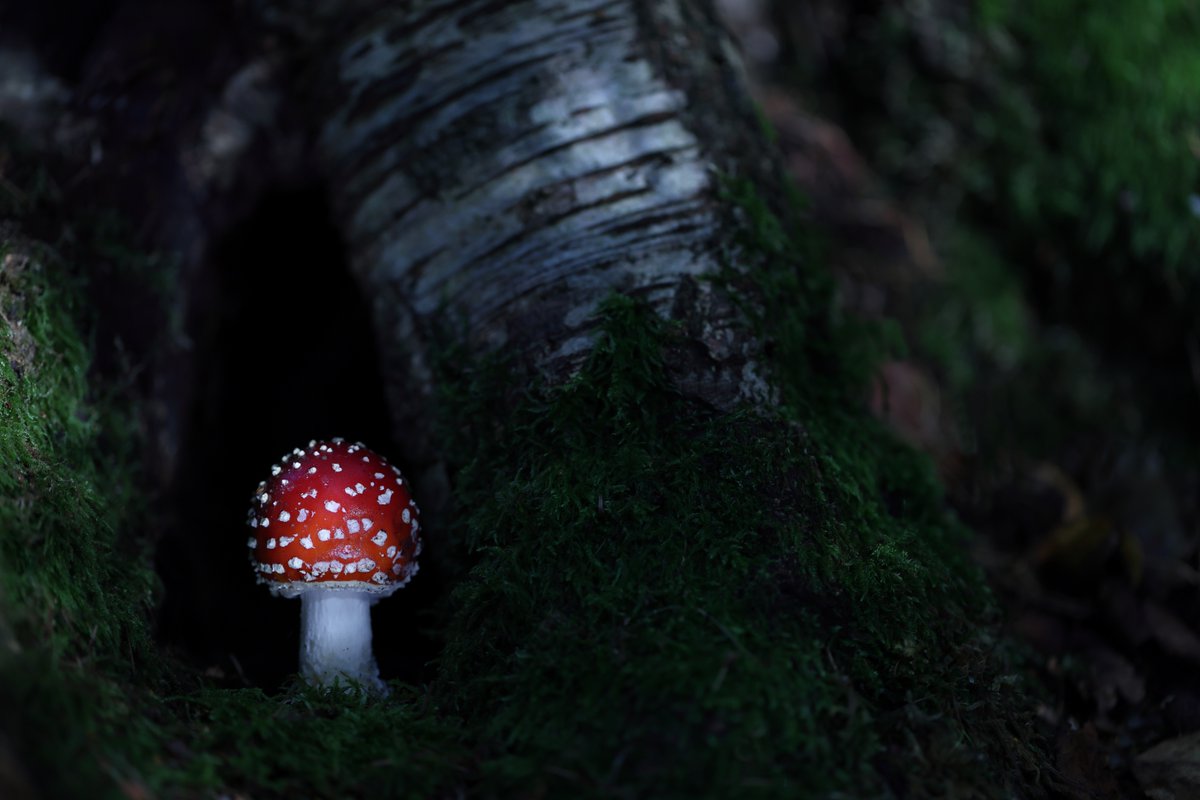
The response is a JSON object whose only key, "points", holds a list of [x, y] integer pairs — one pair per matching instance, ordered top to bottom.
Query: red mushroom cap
{"points": [[334, 516]]}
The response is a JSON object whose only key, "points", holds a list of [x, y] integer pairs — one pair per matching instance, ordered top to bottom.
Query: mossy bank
{"points": [[75, 579], [652, 599]]}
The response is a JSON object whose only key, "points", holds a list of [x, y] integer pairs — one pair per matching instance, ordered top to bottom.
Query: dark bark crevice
{"points": [[285, 352]]}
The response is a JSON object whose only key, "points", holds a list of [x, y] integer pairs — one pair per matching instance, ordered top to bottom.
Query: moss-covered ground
{"points": [[75, 588], [654, 598], [658, 599], [685, 603], [90, 707]]}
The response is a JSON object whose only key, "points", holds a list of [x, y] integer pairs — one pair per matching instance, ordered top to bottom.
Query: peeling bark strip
{"points": [[513, 163]]}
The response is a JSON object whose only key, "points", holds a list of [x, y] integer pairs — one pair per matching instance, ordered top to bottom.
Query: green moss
{"points": [[1064, 120], [1096, 132], [1065, 133], [1087, 158], [978, 319], [1012, 381], [57, 482], [75, 585], [659, 599], [676, 602], [88, 706], [78, 730], [310, 742]]}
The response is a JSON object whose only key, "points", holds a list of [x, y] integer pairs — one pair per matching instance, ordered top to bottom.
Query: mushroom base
{"points": [[335, 639]]}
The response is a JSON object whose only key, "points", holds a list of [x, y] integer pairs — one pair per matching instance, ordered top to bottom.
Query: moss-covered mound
{"points": [[75, 586], [661, 599], [688, 603], [691, 604]]}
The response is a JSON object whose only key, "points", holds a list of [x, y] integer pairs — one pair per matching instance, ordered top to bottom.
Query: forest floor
{"points": [[1010, 197], [1021, 202]]}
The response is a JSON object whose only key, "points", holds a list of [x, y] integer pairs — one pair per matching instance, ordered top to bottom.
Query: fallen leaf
{"points": [[908, 400], [1074, 505], [1077, 551], [1172, 635], [1114, 679], [1083, 762], [1171, 769]]}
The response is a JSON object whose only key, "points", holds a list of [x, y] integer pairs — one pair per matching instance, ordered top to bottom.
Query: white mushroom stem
{"points": [[335, 638]]}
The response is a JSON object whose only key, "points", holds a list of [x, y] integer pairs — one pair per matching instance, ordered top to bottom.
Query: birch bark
{"points": [[502, 167]]}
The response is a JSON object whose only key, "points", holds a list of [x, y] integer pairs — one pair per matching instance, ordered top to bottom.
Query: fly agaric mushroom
{"points": [[335, 525]]}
